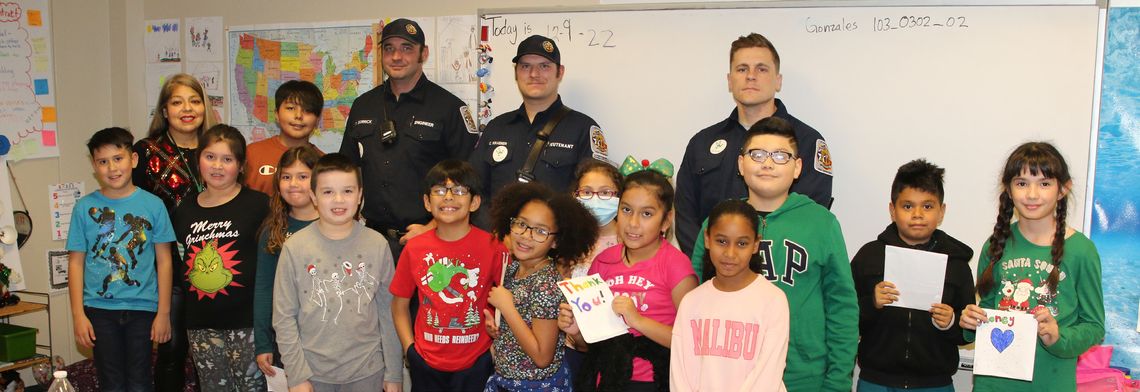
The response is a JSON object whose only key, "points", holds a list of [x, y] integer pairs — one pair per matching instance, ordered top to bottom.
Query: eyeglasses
{"points": [[779, 157], [456, 190], [604, 194], [536, 233]]}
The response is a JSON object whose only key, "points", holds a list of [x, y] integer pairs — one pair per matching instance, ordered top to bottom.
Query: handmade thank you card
{"points": [[592, 301], [1005, 345]]}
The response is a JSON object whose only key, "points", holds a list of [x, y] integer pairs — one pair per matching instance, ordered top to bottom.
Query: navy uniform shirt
{"points": [[431, 125], [508, 139], [709, 172]]}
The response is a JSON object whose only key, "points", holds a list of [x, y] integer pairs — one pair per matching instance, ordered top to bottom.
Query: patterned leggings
{"points": [[225, 361]]}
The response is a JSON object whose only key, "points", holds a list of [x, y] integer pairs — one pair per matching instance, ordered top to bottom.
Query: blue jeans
{"points": [[122, 348], [866, 386]]}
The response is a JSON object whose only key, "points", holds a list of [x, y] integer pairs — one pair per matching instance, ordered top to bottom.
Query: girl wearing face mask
{"points": [[597, 185]]}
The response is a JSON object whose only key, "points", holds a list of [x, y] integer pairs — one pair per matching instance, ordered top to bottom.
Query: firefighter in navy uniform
{"points": [[397, 131], [508, 142], [709, 171]]}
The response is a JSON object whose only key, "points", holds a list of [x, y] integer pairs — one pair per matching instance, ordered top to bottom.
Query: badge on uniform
{"points": [[468, 121], [598, 144], [718, 146], [499, 153], [822, 157]]}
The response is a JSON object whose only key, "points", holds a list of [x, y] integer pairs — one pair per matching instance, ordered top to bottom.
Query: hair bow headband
{"points": [[631, 165]]}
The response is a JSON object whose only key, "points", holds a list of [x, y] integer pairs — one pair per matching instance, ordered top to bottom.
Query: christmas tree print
{"points": [[472, 317]]}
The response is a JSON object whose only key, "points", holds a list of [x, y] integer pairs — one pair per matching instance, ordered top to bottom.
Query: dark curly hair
{"points": [[577, 228]]}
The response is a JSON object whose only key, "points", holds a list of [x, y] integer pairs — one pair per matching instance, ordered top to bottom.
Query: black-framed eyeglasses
{"points": [[779, 157], [456, 190], [604, 194], [536, 233]]}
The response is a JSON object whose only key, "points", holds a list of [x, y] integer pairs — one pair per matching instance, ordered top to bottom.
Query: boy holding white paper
{"points": [[903, 347]]}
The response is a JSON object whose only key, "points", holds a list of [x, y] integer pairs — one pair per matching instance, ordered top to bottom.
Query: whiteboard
{"points": [[959, 86]]}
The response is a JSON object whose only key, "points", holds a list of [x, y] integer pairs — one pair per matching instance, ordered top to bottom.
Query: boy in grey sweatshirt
{"points": [[331, 303]]}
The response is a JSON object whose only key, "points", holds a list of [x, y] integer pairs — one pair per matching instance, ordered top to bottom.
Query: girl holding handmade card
{"points": [[1040, 266], [648, 277]]}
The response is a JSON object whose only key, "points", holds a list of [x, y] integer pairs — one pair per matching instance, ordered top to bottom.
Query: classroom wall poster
{"points": [[204, 39], [162, 41], [27, 85], [62, 200], [1115, 224], [57, 268]]}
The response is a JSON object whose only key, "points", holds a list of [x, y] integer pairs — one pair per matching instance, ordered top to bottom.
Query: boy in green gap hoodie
{"points": [[802, 252]]}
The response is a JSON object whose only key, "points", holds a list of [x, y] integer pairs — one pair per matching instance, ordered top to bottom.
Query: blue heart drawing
{"points": [[1001, 339]]}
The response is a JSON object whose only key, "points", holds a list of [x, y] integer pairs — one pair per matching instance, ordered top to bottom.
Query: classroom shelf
{"points": [[24, 307], [21, 308], [26, 362]]}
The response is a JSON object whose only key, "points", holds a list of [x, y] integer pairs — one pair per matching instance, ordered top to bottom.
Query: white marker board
{"points": [[959, 86]]}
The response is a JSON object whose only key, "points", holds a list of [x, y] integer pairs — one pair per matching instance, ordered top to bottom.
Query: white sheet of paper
{"points": [[918, 276], [592, 301], [1006, 345], [277, 383]]}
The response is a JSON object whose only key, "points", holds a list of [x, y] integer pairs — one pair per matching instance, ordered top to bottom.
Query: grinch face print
{"points": [[211, 268]]}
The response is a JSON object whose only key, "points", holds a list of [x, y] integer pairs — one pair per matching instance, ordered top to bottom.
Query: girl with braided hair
{"points": [[1039, 264]]}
